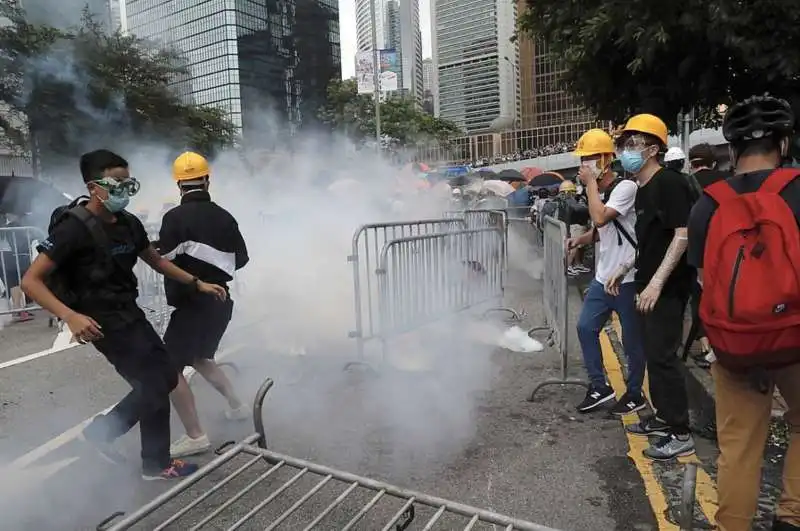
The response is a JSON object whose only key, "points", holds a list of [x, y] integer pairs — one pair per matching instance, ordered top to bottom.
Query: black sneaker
{"points": [[595, 397], [629, 403], [647, 427], [784, 526]]}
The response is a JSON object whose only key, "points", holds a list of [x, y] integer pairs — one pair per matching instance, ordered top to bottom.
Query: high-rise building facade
{"points": [[397, 28], [248, 57], [477, 77], [553, 105]]}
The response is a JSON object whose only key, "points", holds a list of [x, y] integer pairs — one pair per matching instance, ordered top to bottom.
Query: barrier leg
{"points": [[563, 378], [258, 414], [686, 516]]}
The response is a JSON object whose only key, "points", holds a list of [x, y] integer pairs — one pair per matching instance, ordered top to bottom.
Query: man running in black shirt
{"points": [[93, 251]]}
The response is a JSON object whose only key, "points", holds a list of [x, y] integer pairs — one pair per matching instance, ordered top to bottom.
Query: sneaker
{"points": [[581, 269], [571, 272], [23, 317], [595, 398], [628, 404], [240, 413], [647, 427], [189, 446], [670, 447], [104, 448], [177, 469]]}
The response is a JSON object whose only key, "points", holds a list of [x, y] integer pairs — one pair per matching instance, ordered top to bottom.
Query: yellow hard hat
{"points": [[649, 124], [594, 142], [189, 166], [568, 186]]}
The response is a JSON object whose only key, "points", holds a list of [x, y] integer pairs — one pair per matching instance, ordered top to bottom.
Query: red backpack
{"points": [[751, 277]]}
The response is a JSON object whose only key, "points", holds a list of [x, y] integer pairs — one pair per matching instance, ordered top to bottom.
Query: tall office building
{"points": [[66, 13], [397, 28], [248, 57], [427, 75], [527, 76], [477, 78], [553, 105]]}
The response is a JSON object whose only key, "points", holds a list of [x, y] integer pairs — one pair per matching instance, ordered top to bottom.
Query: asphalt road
{"points": [[458, 427]]}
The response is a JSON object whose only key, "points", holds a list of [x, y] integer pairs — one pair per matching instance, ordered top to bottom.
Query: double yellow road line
{"points": [[706, 493]]}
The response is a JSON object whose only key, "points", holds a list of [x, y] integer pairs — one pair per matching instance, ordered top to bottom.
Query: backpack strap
{"points": [[778, 180], [721, 191], [99, 236]]}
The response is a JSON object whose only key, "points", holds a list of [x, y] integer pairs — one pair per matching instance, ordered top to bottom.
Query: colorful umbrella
{"points": [[531, 172]]}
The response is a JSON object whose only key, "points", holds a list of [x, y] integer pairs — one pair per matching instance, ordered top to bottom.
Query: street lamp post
{"points": [[376, 69]]}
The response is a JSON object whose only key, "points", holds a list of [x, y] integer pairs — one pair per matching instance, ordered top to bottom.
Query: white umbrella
{"points": [[500, 188]]}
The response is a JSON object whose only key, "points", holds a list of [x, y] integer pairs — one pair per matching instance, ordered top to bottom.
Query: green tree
{"points": [[665, 57], [69, 91], [402, 119]]}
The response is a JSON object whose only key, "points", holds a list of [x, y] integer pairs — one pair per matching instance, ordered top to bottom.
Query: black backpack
{"points": [[621, 232], [103, 264]]}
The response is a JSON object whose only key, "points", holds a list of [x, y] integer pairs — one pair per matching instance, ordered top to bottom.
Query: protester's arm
{"points": [[602, 214], [59, 246], [242, 257], [33, 285]]}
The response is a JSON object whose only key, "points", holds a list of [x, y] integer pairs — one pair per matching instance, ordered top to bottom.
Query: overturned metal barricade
{"points": [[368, 241], [17, 251], [555, 299], [307, 499]]}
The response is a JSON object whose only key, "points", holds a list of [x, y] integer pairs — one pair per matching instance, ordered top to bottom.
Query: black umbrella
{"points": [[487, 174], [510, 176], [546, 179], [29, 198]]}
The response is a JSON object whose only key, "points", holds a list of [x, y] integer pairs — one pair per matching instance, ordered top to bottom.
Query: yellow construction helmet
{"points": [[649, 124], [594, 142], [190, 166], [568, 187]]}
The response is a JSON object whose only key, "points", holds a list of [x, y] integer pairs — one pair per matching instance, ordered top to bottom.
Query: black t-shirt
{"points": [[706, 178], [662, 205], [705, 208], [72, 248]]}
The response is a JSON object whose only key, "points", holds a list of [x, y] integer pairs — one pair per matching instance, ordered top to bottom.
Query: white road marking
{"points": [[62, 343], [59, 345], [60, 440]]}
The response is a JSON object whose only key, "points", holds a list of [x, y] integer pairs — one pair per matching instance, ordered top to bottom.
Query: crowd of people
{"points": [[526, 154], [730, 243]]}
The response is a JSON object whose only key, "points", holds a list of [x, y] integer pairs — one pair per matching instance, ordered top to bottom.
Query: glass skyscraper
{"points": [[248, 56]]}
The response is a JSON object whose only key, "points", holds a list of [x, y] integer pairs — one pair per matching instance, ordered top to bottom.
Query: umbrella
{"points": [[531, 172], [486, 173], [510, 176], [549, 178], [500, 188], [31, 199]]}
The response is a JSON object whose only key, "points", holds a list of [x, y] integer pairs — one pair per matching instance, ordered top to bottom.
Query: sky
{"points": [[347, 30]]}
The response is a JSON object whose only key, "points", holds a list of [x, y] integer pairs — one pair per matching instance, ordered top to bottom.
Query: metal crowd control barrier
{"points": [[368, 241], [17, 251], [426, 278], [555, 299], [312, 496]]}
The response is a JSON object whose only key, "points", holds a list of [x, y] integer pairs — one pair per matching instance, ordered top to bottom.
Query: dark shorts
{"points": [[196, 329]]}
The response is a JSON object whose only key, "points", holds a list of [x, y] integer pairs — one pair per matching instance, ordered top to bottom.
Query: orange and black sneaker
{"points": [[176, 469]]}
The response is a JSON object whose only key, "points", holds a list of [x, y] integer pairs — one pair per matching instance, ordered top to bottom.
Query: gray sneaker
{"points": [[649, 427], [670, 447]]}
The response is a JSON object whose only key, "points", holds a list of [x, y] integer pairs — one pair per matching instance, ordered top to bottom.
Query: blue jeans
{"points": [[597, 308]]}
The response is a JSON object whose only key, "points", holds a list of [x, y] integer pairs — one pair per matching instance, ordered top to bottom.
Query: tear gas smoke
{"points": [[296, 297]]}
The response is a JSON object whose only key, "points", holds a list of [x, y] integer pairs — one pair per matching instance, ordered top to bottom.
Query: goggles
{"points": [[631, 143], [129, 187]]}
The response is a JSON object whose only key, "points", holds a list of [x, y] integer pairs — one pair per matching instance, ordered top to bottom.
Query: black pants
{"points": [[697, 292], [662, 331], [139, 356]]}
